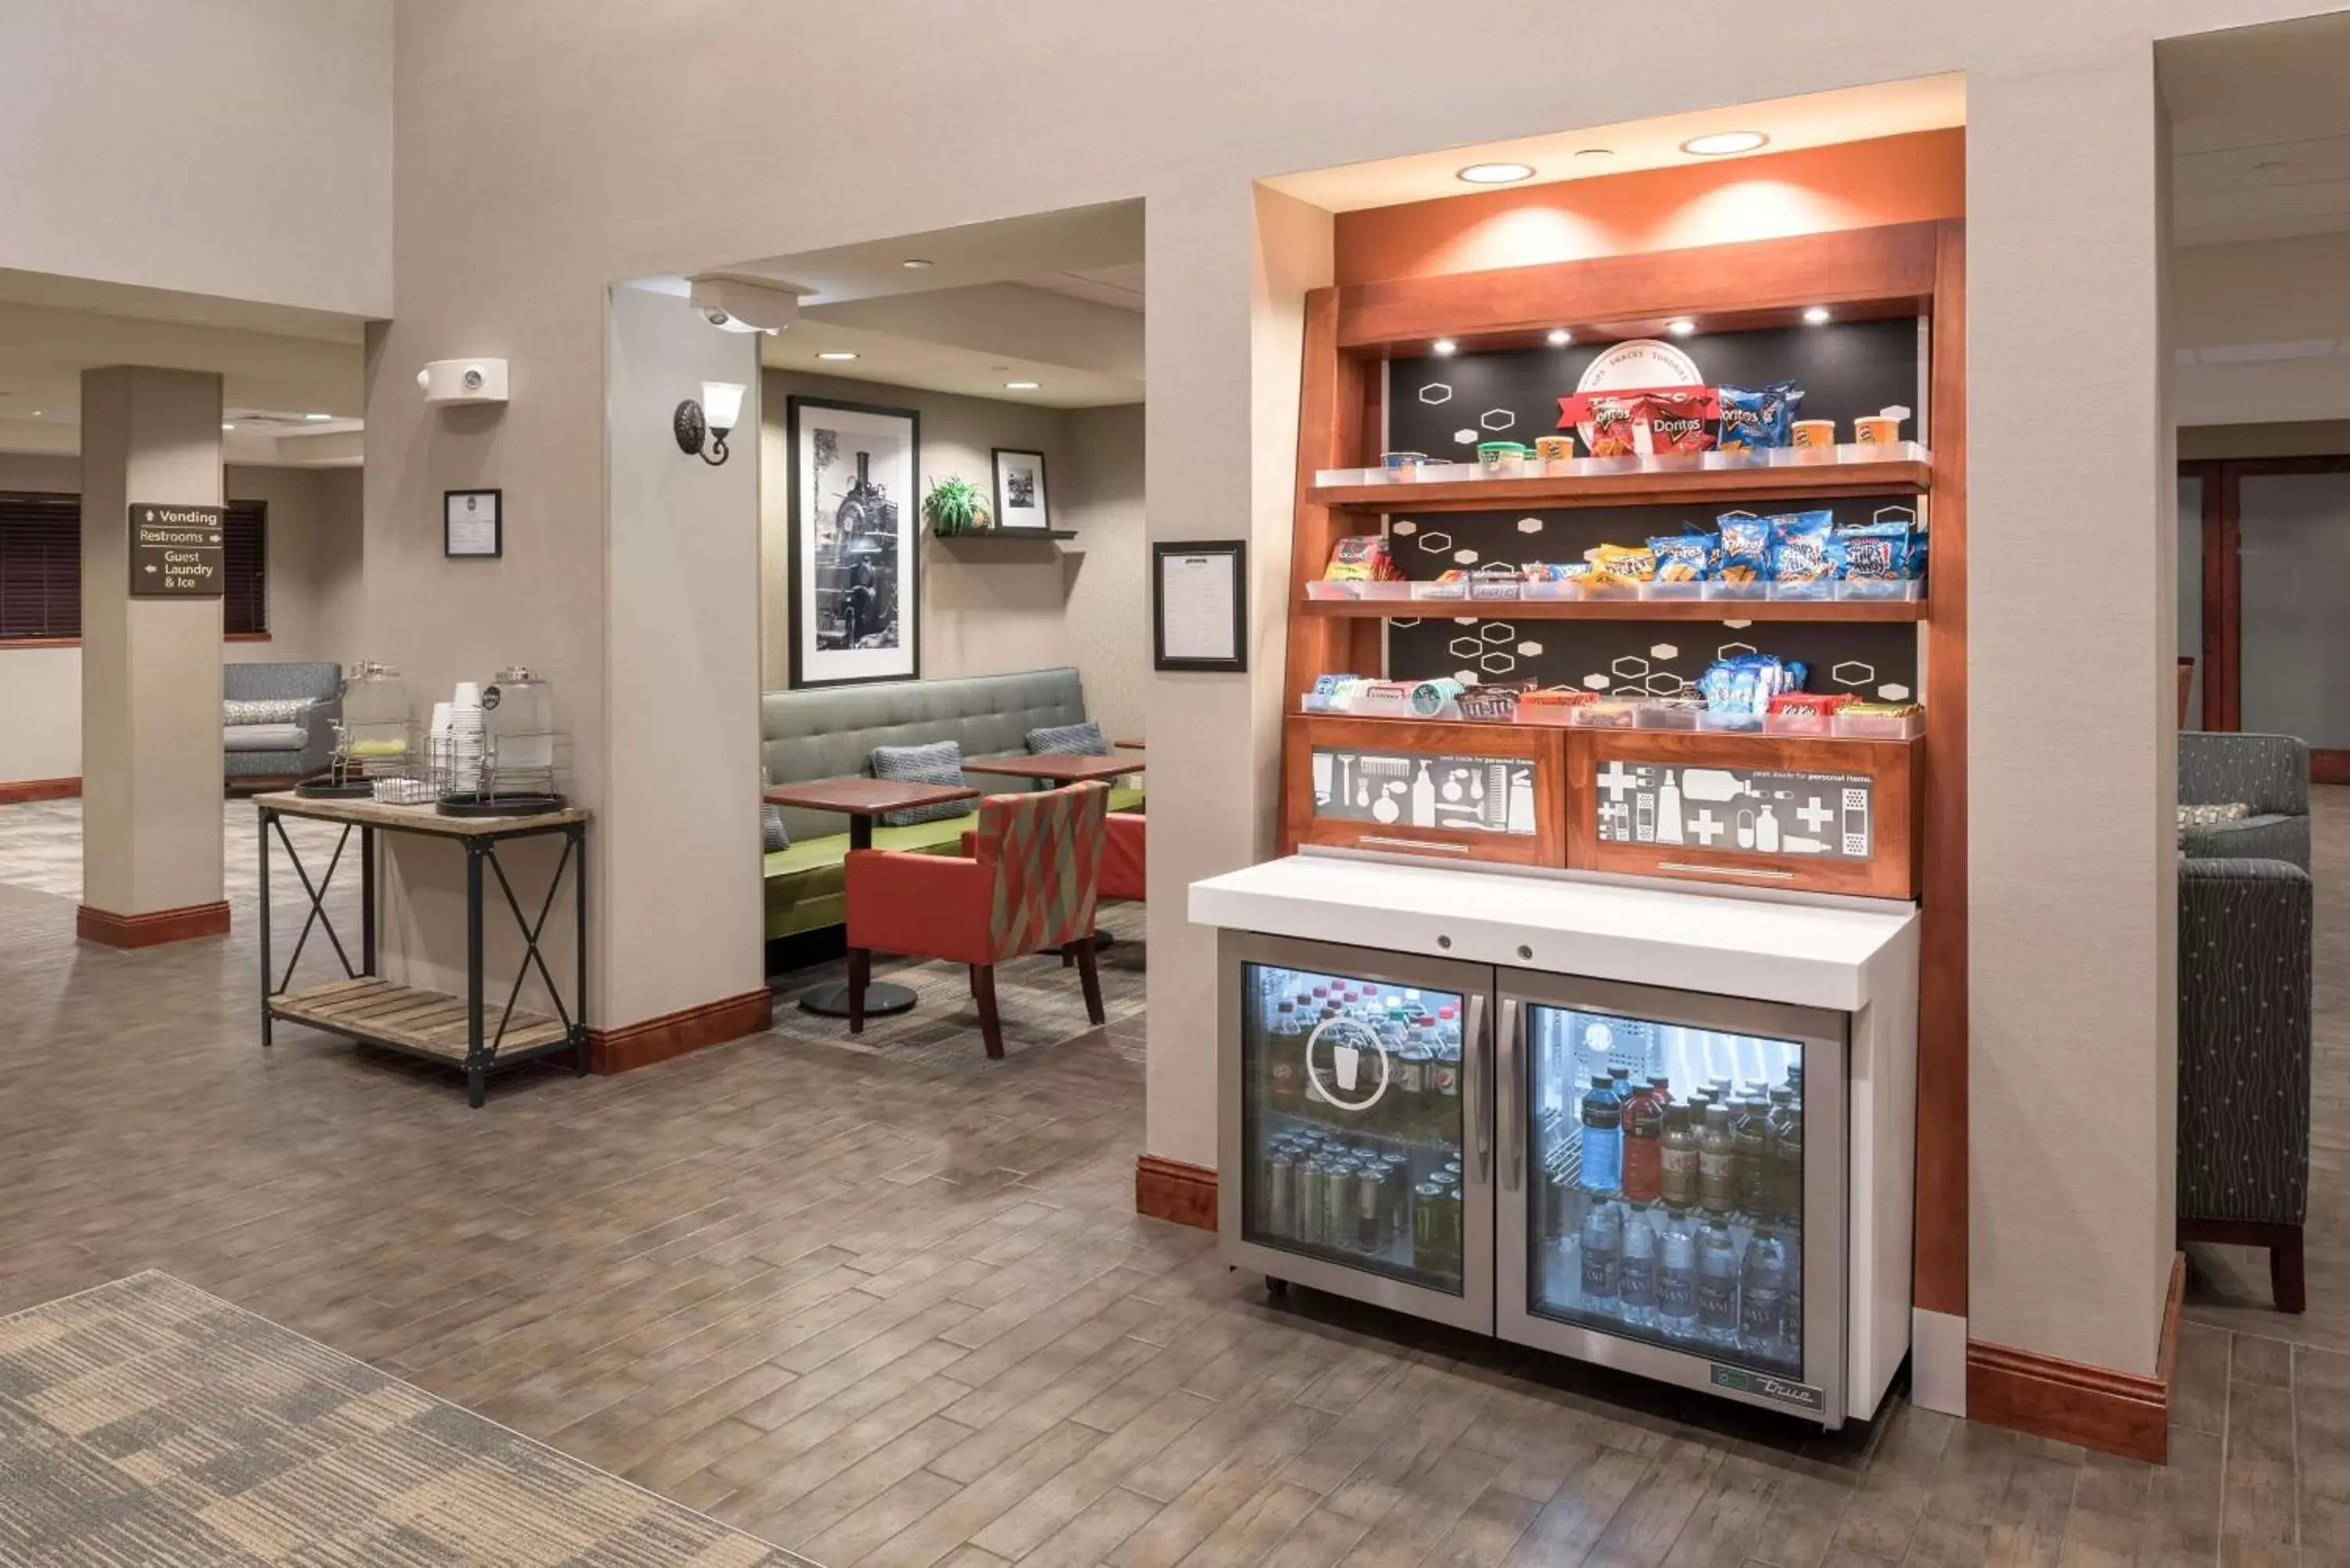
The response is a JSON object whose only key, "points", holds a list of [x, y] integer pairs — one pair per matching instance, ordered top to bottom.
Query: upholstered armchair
{"points": [[2267, 774], [1124, 848], [1030, 883], [2244, 998]]}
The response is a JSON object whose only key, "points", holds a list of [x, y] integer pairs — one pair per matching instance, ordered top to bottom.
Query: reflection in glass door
{"points": [[1353, 1129], [1668, 1184]]}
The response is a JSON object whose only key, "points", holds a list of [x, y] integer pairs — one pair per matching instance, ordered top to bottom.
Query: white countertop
{"points": [[1718, 942]]}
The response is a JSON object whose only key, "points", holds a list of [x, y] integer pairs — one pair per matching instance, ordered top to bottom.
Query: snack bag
{"points": [[1760, 419], [1677, 422], [1613, 424], [1745, 547], [1799, 547], [1886, 551], [1686, 557], [1361, 558], [1637, 562], [1809, 704]]}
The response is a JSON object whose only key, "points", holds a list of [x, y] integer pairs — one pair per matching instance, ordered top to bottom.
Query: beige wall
{"points": [[605, 170], [2266, 322], [315, 594], [989, 608]]}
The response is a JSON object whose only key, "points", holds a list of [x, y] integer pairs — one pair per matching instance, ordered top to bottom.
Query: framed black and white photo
{"points": [[1019, 491], [470, 525], [856, 551], [1199, 604]]}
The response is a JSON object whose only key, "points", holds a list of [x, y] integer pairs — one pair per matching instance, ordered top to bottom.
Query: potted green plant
{"points": [[956, 506]]}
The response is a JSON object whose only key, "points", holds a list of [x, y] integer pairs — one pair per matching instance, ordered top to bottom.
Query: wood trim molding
{"points": [[245, 637], [9, 642], [2328, 767], [24, 790], [154, 928], [641, 1044], [1170, 1190], [2123, 1413]]}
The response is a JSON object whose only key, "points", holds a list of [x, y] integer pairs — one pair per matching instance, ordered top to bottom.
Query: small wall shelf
{"points": [[1621, 482], [1000, 535], [1623, 609]]}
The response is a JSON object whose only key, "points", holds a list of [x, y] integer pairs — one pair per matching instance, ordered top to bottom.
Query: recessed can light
{"points": [[1723, 142], [1595, 152], [1494, 173], [915, 263], [1817, 315], [1681, 326], [1560, 337], [1444, 345], [835, 354], [1020, 386], [317, 417], [226, 426]]}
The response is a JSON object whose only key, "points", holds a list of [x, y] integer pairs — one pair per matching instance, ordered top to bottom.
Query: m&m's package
{"points": [[1759, 418]]}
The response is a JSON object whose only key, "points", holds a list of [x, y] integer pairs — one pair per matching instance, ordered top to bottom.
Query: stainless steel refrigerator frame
{"points": [[1473, 982], [1821, 1035]]}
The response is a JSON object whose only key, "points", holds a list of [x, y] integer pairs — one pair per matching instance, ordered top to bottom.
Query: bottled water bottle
{"points": [[1603, 1137], [1603, 1256], [1676, 1277], [1636, 1278], [1717, 1284], [1763, 1301], [1792, 1320]]}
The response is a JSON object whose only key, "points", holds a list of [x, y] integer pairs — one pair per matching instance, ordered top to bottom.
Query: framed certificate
{"points": [[469, 528], [1199, 602]]}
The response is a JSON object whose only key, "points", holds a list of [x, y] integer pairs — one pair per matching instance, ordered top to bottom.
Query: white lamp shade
{"points": [[722, 403]]}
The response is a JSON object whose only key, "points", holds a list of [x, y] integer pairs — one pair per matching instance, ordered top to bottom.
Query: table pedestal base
{"points": [[883, 999]]}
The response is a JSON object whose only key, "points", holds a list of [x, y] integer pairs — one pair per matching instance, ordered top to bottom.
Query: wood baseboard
{"points": [[24, 790], [154, 929], [671, 1034], [1170, 1190], [2120, 1413]]}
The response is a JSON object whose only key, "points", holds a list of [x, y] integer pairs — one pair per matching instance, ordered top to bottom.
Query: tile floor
{"points": [[883, 1308]]}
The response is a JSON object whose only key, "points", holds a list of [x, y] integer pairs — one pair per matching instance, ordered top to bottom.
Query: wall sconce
{"points": [[713, 417]]}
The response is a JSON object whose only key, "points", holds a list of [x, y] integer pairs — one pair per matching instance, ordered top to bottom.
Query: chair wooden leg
{"points": [[973, 974], [861, 975], [1089, 976], [991, 1026], [2286, 1281]]}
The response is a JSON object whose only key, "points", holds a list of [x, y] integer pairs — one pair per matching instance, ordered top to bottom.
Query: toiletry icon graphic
{"points": [[1668, 810]]}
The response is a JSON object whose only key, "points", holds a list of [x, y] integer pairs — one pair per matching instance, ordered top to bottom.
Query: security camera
{"points": [[737, 305]]}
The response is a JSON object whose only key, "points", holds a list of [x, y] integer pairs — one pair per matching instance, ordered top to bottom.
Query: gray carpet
{"points": [[145, 1423]]}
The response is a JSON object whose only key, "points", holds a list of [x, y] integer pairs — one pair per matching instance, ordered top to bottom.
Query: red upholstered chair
{"points": [[1122, 854], [1029, 883]]}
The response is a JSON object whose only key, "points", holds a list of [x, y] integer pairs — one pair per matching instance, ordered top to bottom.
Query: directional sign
{"points": [[175, 552]]}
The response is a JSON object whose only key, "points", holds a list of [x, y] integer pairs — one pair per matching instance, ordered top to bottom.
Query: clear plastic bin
{"points": [[1322, 588], [1390, 590], [1680, 590], [1726, 590], [1873, 590], [1454, 593], [1667, 716], [1733, 723], [1879, 726]]}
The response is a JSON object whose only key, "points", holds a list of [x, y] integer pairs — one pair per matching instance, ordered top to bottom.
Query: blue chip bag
{"points": [[1760, 419], [1745, 547], [1800, 547], [1887, 551], [1687, 557]]}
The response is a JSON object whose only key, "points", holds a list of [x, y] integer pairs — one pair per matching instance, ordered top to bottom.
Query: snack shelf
{"points": [[1700, 479], [1812, 610], [1619, 715]]}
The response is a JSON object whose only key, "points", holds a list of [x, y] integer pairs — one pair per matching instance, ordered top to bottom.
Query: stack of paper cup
{"points": [[465, 732]]}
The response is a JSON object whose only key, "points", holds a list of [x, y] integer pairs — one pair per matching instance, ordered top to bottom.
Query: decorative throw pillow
{"points": [[238, 711], [1079, 740], [939, 763], [2212, 816], [773, 835]]}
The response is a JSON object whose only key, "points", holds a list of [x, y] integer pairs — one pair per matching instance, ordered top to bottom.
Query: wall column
{"points": [[150, 680]]}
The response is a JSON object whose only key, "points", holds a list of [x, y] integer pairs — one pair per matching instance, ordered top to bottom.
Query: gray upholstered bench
{"points": [[292, 746]]}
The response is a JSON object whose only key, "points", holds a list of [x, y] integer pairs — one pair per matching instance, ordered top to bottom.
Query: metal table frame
{"points": [[480, 845]]}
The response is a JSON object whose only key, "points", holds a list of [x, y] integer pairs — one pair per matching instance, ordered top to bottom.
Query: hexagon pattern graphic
{"points": [[1442, 394], [1497, 420], [1465, 436], [1530, 525], [1404, 528], [1435, 544], [1464, 557], [1464, 620], [1402, 621], [1738, 625], [1497, 631], [1464, 647], [1732, 649], [1664, 650], [1530, 651], [1497, 663], [1631, 667], [1853, 672], [1466, 677], [1595, 682], [1664, 683], [1893, 692]]}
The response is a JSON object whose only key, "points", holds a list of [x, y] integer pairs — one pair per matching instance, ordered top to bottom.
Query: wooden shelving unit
{"points": [[1696, 487], [1621, 609]]}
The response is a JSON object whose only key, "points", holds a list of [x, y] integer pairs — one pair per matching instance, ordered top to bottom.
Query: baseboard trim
{"points": [[24, 791], [154, 928], [635, 1045], [1170, 1190], [2123, 1413]]}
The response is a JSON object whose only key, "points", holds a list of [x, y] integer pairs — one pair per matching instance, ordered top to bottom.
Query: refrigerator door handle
{"points": [[1478, 1080], [1512, 1106]]}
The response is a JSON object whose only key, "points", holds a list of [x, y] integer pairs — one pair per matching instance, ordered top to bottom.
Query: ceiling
{"points": [[1815, 119], [2259, 132]]}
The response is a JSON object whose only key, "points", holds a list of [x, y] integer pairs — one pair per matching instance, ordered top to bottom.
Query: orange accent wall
{"points": [[1852, 185]]}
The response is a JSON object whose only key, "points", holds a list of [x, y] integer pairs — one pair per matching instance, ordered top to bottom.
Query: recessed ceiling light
{"points": [[1723, 142], [1595, 152], [1495, 173], [915, 263], [1817, 315], [1681, 326], [1560, 337], [1445, 346], [835, 354], [1020, 386], [318, 416], [226, 426]]}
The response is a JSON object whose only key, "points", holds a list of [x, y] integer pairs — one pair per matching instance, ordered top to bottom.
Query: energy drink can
{"points": [[1313, 1179], [1281, 1194]]}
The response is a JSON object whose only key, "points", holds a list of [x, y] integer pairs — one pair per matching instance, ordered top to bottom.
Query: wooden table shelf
{"points": [[1704, 487], [1621, 609], [406, 1018]]}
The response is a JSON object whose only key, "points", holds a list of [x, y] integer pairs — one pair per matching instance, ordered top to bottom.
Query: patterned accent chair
{"points": [[2269, 774], [1030, 883], [2244, 999]]}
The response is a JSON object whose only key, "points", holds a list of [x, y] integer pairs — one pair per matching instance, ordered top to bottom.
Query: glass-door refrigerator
{"points": [[1359, 1122], [1670, 1184]]}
